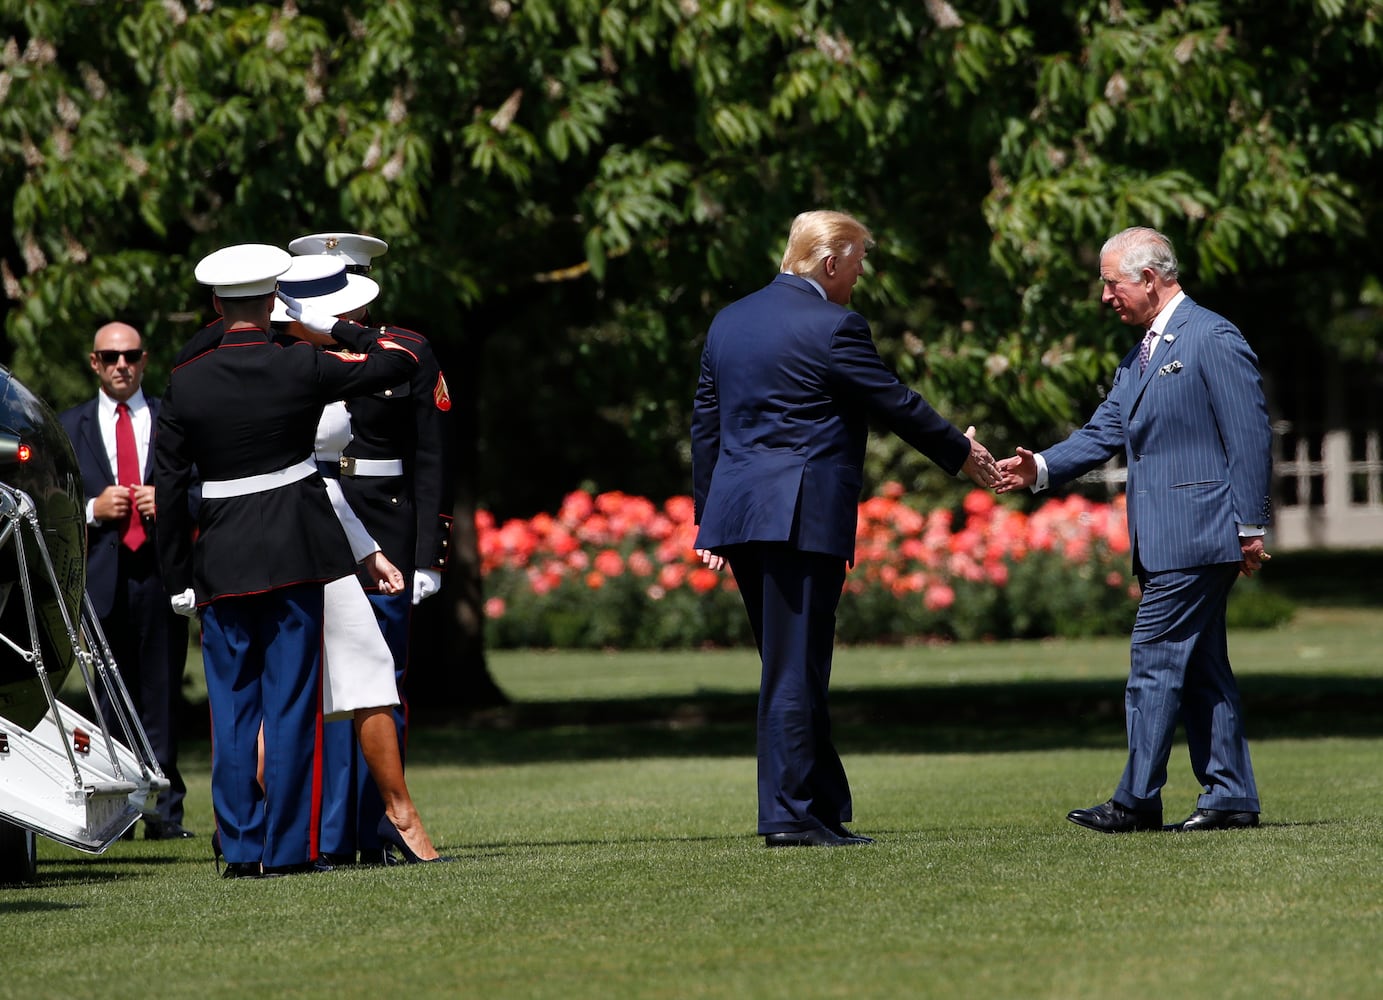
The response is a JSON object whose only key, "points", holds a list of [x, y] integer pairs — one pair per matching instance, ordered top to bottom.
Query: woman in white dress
{"points": [[357, 665]]}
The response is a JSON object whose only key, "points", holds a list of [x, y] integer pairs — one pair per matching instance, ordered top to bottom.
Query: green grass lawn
{"points": [[603, 829]]}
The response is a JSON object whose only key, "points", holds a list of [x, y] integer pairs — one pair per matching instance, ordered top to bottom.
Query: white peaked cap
{"points": [[358, 249], [243, 271], [323, 281]]}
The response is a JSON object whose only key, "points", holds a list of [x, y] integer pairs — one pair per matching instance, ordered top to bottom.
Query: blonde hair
{"points": [[820, 234]]}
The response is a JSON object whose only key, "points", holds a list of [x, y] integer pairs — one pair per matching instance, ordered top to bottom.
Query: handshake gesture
{"points": [[980, 465], [1003, 476]]}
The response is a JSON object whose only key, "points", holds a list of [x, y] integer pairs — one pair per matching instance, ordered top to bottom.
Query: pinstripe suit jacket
{"points": [[1194, 430]]}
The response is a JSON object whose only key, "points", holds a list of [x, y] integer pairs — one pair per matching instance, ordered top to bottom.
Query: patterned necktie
{"points": [[1145, 351], [127, 471]]}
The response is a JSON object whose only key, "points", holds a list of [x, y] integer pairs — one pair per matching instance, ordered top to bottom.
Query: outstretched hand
{"points": [[980, 465], [1017, 472]]}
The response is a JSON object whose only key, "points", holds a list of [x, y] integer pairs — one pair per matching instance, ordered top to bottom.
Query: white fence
{"points": [[1327, 490]]}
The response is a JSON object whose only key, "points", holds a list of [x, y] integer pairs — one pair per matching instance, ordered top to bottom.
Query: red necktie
{"points": [[127, 470]]}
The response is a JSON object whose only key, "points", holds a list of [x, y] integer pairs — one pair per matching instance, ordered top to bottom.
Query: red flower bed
{"points": [[618, 570]]}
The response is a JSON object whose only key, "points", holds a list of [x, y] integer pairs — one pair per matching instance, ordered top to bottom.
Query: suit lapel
{"points": [[1174, 329], [153, 405], [91, 441]]}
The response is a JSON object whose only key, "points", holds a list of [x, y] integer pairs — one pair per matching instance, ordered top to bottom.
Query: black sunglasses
{"points": [[131, 356]]}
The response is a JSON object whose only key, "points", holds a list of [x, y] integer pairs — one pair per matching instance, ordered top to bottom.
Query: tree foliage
{"points": [[571, 188]]}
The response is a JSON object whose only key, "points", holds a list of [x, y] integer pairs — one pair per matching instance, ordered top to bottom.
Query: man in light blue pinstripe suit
{"points": [[1187, 409]]}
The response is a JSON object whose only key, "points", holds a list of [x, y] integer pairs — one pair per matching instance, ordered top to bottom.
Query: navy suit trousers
{"points": [[791, 598], [149, 643], [1180, 672]]}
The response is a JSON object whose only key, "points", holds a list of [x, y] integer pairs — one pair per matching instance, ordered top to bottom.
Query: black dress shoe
{"points": [[1110, 817], [1216, 819], [159, 830], [848, 834], [815, 837], [374, 856], [338, 859], [305, 868], [246, 869]]}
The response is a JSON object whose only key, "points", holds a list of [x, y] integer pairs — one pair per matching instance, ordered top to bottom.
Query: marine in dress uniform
{"points": [[244, 413], [394, 477]]}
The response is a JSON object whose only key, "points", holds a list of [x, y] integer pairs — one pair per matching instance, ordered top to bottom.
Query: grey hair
{"points": [[1140, 247]]}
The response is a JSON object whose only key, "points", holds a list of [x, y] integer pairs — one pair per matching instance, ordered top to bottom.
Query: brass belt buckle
{"points": [[347, 466]]}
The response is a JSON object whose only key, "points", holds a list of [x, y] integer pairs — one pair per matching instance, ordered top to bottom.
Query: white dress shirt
{"points": [[141, 420]]}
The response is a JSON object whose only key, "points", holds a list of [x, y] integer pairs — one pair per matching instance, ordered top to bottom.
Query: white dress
{"points": [[357, 666]]}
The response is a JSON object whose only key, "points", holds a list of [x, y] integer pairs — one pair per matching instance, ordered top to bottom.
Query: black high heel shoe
{"points": [[389, 833]]}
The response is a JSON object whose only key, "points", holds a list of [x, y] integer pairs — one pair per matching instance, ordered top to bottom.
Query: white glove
{"points": [[308, 315], [426, 582], [185, 603]]}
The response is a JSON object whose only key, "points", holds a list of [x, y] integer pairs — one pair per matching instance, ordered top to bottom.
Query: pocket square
{"points": [[1170, 368]]}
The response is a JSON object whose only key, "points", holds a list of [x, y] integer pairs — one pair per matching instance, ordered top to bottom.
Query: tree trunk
{"points": [[448, 674]]}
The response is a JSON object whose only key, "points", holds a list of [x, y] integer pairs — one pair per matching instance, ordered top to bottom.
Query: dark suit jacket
{"points": [[788, 383], [1194, 429], [103, 540]]}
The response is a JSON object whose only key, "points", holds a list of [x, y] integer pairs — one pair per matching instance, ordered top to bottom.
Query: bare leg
{"points": [[379, 742], [259, 759]]}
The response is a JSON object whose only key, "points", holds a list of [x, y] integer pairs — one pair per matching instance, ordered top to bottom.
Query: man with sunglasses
{"points": [[112, 435]]}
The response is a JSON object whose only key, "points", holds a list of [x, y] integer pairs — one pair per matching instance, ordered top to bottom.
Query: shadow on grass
{"points": [[1324, 577], [939, 719], [29, 905]]}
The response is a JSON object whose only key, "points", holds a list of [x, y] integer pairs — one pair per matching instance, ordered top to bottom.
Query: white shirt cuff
{"points": [[1041, 483], [1252, 530]]}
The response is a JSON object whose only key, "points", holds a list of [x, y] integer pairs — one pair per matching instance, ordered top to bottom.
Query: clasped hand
{"points": [[979, 464], [1017, 472]]}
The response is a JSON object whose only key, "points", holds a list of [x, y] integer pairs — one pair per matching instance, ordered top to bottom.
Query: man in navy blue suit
{"points": [[789, 380], [1187, 410], [148, 641]]}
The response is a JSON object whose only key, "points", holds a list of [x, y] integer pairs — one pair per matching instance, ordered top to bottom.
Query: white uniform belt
{"points": [[371, 466], [223, 489]]}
